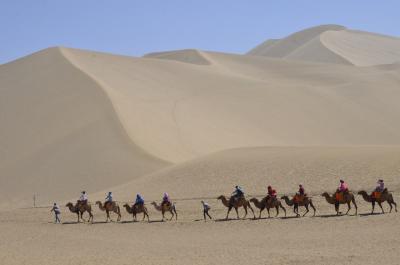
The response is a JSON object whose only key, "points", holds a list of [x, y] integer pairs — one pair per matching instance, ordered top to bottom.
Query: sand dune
{"points": [[333, 44], [74, 119], [59, 133]]}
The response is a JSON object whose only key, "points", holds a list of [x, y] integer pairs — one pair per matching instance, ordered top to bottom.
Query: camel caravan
{"points": [[237, 200]]}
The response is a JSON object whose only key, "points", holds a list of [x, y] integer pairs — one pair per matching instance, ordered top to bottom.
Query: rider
{"points": [[380, 186], [343, 187], [301, 190], [238, 193], [271, 193], [109, 198], [83, 199], [165, 199], [139, 200]]}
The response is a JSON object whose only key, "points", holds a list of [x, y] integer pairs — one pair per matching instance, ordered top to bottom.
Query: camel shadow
{"points": [[369, 214], [334, 215]]}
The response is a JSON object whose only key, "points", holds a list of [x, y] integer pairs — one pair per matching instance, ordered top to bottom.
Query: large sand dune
{"points": [[87, 120]]}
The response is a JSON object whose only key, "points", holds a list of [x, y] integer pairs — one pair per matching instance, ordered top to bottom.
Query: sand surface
{"points": [[311, 108]]}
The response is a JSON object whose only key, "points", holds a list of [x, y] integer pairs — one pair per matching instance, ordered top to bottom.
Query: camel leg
{"points": [[355, 205], [380, 205], [395, 205], [312, 206], [348, 207], [373, 207], [251, 208], [283, 208], [337, 208], [307, 210], [245, 211], [277, 211], [118, 212], [237, 212], [163, 213], [172, 214], [176, 214], [227, 214], [144, 215], [269, 216], [90, 217], [259, 217]]}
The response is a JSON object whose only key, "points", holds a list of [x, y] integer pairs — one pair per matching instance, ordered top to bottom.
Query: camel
{"points": [[385, 196], [347, 198], [306, 202], [232, 203], [266, 203], [110, 207], [166, 207], [137, 209], [79, 210]]}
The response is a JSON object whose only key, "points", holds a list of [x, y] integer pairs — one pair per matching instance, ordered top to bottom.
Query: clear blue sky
{"points": [[142, 26]]}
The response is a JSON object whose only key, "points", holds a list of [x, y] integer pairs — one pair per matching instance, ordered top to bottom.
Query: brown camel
{"points": [[385, 196], [348, 197], [305, 202], [236, 203], [267, 203], [110, 207], [166, 207], [80, 209], [137, 209]]}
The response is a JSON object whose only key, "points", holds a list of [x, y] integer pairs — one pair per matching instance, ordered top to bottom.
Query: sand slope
{"points": [[59, 133]]}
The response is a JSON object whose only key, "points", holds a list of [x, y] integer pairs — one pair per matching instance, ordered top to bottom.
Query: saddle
{"points": [[376, 194], [339, 196], [298, 198]]}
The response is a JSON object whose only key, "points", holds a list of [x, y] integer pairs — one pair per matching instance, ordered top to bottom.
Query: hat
{"points": [[381, 180], [341, 181], [269, 187]]}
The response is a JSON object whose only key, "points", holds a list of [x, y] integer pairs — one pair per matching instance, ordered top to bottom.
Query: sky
{"points": [[139, 27]]}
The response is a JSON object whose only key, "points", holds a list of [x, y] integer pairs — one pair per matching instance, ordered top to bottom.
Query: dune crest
{"points": [[186, 56]]}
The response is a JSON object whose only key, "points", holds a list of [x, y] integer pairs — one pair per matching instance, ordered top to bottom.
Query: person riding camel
{"points": [[380, 186], [343, 187], [341, 190], [238, 193], [271, 193], [300, 194], [83, 199], [108, 199], [165, 199], [139, 201]]}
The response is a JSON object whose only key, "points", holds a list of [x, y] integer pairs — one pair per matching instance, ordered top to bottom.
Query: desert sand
{"points": [[311, 108]]}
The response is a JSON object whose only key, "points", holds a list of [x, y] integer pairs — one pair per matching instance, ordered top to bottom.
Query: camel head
{"points": [[361, 192], [325, 194], [221, 197], [284, 197], [254, 200], [98, 203], [154, 203], [69, 204], [126, 205]]}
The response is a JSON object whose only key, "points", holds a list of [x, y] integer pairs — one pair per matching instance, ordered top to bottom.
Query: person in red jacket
{"points": [[271, 193]]}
